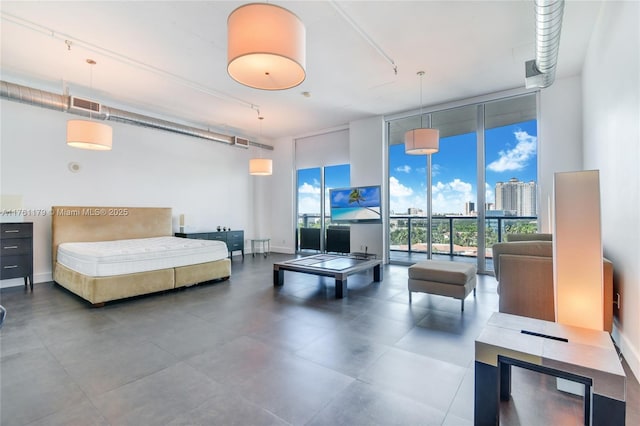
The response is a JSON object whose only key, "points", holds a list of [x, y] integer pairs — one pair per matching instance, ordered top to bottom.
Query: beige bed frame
{"points": [[90, 223]]}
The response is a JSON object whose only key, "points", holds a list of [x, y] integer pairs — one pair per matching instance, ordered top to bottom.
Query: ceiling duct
{"points": [[541, 71], [41, 98], [83, 104], [240, 142]]}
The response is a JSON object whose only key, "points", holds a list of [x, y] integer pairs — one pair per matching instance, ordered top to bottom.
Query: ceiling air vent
{"points": [[84, 105], [241, 142]]}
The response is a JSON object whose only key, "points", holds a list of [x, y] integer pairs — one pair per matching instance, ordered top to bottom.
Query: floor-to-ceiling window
{"points": [[480, 144], [321, 164], [511, 169], [309, 184], [313, 198]]}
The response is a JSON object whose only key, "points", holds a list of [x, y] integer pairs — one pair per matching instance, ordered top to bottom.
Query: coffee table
{"points": [[328, 265], [577, 354]]}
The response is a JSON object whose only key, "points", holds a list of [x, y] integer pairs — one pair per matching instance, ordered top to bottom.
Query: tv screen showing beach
{"points": [[357, 204]]}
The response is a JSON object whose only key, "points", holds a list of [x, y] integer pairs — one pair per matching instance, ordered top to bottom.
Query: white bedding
{"points": [[108, 258]]}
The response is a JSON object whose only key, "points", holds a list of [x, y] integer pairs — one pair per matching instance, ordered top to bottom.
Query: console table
{"points": [[233, 239], [16, 251], [578, 354]]}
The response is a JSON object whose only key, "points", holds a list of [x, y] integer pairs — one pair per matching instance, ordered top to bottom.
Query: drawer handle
{"points": [[14, 231], [10, 247], [10, 266]]}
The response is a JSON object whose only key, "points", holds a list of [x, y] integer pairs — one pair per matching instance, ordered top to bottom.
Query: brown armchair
{"points": [[524, 271]]}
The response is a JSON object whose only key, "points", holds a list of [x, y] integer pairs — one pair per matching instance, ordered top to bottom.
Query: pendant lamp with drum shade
{"points": [[266, 47], [89, 134], [421, 141], [424, 141], [260, 166]]}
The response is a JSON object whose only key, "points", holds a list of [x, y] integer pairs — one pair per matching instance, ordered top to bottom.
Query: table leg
{"points": [[253, 249], [377, 273], [278, 277], [341, 288], [505, 381], [485, 408], [607, 411]]}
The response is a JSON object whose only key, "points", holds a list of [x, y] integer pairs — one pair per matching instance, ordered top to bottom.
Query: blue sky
{"points": [[510, 151]]}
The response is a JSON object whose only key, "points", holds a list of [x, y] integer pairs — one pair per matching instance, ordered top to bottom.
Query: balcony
{"points": [[453, 237]]}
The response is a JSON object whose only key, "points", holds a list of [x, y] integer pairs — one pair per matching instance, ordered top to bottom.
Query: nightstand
{"points": [[16, 251]]}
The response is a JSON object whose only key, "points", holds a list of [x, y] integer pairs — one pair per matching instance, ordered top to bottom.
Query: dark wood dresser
{"points": [[234, 239], [16, 251]]}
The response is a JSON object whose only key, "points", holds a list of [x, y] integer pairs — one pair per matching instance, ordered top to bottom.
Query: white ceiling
{"points": [[168, 58]]}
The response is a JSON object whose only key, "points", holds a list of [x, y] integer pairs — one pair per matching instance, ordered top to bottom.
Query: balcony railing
{"points": [[451, 235], [454, 235]]}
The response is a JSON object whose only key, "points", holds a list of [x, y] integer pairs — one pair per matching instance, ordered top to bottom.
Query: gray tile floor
{"points": [[243, 353]]}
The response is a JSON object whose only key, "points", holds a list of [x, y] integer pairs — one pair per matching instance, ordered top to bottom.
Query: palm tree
{"points": [[356, 196]]}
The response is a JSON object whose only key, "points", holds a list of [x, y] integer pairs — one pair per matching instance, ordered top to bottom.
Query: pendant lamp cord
{"points": [[91, 63], [421, 74], [259, 148]]}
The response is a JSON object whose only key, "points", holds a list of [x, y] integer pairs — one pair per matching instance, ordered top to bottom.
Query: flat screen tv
{"points": [[360, 204]]}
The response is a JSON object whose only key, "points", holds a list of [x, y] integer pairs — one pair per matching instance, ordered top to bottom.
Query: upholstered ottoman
{"points": [[453, 279]]}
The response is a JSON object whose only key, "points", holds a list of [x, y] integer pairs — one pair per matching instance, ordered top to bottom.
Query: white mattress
{"points": [[107, 258]]}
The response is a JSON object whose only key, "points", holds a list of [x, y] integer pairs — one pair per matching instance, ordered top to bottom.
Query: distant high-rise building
{"points": [[517, 197], [469, 208], [414, 211]]}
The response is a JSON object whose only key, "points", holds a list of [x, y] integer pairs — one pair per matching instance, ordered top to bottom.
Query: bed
{"points": [[126, 226]]}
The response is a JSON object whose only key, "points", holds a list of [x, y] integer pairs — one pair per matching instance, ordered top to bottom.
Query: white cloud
{"points": [[517, 157], [404, 169], [459, 186], [307, 188], [396, 189], [399, 196], [450, 197], [308, 199], [308, 205]]}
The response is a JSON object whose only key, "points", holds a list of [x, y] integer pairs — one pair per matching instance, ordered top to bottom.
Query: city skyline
{"points": [[510, 152]]}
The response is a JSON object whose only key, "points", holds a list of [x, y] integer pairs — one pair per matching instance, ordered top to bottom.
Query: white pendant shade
{"points": [[266, 47], [88, 134], [421, 141], [260, 167]]}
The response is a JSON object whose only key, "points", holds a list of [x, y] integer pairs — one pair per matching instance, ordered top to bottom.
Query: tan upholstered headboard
{"points": [[91, 223]]}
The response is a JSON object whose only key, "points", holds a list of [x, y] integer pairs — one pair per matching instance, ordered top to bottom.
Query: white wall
{"points": [[611, 92], [559, 139], [367, 154], [206, 181], [282, 204]]}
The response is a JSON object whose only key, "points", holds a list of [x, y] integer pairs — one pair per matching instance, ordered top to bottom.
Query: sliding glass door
{"points": [[480, 144]]}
